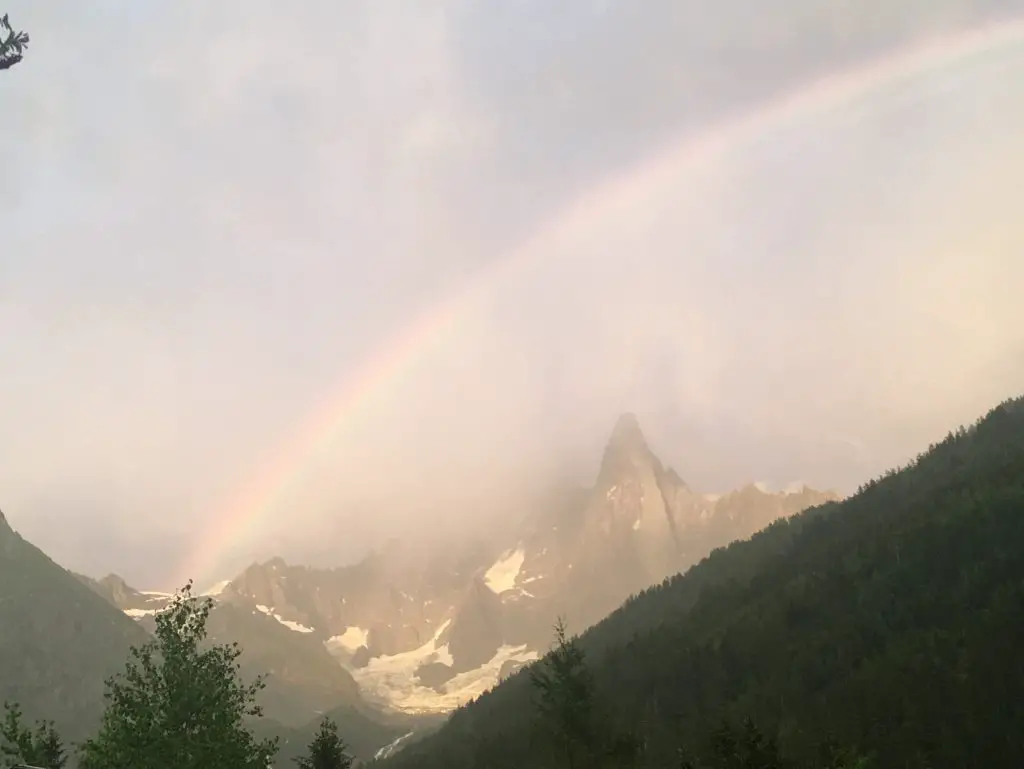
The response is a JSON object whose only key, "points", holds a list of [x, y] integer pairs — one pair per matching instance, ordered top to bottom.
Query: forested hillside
{"points": [[889, 623], [58, 639]]}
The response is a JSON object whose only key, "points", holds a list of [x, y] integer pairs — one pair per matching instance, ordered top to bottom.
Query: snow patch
{"points": [[763, 487], [794, 487], [636, 525], [502, 575], [137, 613], [298, 628], [350, 640], [444, 656], [390, 681], [388, 750]]}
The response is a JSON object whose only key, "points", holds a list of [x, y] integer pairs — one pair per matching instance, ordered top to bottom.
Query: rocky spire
{"points": [[627, 431], [626, 447]]}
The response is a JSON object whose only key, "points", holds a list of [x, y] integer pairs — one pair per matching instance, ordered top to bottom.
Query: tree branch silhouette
{"points": [[12, 44]]}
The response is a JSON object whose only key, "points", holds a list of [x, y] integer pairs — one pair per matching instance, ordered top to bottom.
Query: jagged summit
{"points": [[627, 432], [626, 447], [7, 532]]}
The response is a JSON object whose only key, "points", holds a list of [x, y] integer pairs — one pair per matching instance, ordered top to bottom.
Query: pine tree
{"points": [[565, 698], [180, 703], [20, 744], [749, 749], [327, 750], [836, 756], [686, 760]]}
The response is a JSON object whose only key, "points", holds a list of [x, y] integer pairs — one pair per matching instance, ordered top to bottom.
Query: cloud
{"points": [[215, 216]]}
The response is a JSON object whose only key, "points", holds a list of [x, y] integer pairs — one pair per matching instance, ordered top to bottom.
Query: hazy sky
{"points": [[214, 216]]}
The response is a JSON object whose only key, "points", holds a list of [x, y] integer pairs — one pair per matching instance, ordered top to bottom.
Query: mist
{"points": [[218, 220]]}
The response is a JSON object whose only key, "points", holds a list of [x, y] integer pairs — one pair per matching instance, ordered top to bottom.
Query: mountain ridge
{"points": [[884, 620], [410, 633], [422, 634]]}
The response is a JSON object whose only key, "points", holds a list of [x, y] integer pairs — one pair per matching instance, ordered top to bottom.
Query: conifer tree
{"points": [[565, 699], [180, 703], [41, 747], [748, 749], [327, 750], [837, 756]]}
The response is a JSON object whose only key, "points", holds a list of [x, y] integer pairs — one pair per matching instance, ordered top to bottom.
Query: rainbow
{"points": [[619, 196]]}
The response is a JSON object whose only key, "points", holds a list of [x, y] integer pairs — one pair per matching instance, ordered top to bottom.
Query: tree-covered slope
{"points": [[891, 621], [59, 640]]}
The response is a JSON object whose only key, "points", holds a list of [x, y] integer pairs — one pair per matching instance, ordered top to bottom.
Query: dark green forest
{"points": [[884, 630]]}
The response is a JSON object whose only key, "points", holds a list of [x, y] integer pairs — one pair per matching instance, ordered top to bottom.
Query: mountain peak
{"points": [[627, 431], [626, 447], [5, 528], [112, 580]]}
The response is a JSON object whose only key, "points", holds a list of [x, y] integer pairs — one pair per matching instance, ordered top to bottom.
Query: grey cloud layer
{"points": [[214, 213]]}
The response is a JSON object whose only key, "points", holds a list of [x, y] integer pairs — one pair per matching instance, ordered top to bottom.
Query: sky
{"points": [[216, 217]]}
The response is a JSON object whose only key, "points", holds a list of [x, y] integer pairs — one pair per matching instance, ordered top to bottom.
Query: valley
{"points": [[420, 636], [395, 641], [421, 663]]}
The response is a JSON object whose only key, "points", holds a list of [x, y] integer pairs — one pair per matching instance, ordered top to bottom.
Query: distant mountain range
{"points": [[424, 634], [401, 635]]}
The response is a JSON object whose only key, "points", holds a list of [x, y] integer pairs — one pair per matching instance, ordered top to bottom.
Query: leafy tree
{"points": [[12, 44], [565, 698], [179, 702], [19, 744], [327, 750]]}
